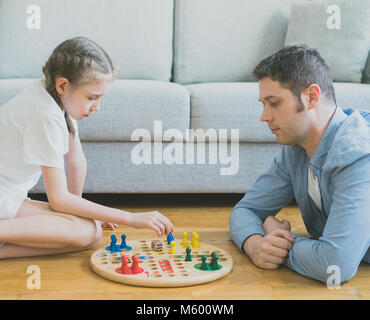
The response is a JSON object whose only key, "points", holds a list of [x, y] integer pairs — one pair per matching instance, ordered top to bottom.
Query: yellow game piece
{"points": [[195, 240], [185, 241], [172, 250]]}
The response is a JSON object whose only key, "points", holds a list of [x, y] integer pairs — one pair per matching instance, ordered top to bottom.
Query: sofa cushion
{"points": [[338, 30], [136, 34], [223, 40], [366, 76], [9, 88], [352, 95], [136, 104], [127, 105], [229, 106], [235, 106], [111, 170]]}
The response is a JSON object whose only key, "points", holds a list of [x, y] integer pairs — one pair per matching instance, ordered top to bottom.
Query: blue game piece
{"points": [[170, 238], [123, 243], [113, 245]]}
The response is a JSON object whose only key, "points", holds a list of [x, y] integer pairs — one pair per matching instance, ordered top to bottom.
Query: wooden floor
{"points": [[68, 276]]}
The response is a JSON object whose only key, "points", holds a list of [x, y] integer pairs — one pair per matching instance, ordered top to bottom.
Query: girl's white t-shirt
{"points": [[33, 133]]}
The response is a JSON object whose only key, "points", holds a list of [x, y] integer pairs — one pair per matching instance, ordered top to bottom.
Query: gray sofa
{"points": [[184, 64]]}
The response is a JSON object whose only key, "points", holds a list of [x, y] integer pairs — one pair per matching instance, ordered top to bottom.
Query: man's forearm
{"points": [[244, 223], [316, 258]]}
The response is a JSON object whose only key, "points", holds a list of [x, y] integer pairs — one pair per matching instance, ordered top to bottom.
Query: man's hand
{"points": [[271, 224], [269, 251]]}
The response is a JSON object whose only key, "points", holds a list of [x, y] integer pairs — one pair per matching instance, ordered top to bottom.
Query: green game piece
{"points": [[188, 255], [204, 263], [214, 265], [199, 267]]}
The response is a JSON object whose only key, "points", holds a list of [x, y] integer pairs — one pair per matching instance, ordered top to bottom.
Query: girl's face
{"points": [[81, 101]]}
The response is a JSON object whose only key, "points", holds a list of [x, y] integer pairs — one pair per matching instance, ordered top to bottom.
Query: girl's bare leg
{"points": [[37, 230], [10, 250]]}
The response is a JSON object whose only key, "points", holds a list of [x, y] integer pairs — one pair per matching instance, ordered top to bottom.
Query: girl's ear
{"points": [[61, 85]]}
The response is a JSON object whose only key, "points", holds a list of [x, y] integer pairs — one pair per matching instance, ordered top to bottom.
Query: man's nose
{"points": [[265, 116]]}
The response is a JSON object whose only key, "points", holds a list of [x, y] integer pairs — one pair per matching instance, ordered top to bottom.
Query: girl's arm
{"points": [[76, 166], [76, 171], [62, 200]]}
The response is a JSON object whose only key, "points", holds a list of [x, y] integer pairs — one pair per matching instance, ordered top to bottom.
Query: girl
{"points": [[38, 129]]}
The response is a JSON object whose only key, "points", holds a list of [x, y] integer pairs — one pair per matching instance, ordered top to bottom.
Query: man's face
{"points": [[280, 112]]}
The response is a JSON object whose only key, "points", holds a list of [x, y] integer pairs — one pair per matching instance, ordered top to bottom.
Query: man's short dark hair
{"points": [[296, 68]]}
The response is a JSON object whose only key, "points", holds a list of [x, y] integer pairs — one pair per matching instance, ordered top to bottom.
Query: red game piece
{"points": [[135, 265], [125, 268]]}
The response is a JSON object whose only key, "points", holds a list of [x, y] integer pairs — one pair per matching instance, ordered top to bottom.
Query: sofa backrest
{"points": [[136, 33], [214, 40], [222, 40], [366, 76]]}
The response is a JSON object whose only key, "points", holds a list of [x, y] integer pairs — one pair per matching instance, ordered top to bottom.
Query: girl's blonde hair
{"points": [[79, 60]]}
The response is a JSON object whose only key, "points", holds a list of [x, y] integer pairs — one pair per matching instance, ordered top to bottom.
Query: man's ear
{"points": [[313, 93]]}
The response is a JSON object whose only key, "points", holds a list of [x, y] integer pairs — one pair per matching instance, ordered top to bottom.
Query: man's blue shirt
{"points": [[341, 230]]}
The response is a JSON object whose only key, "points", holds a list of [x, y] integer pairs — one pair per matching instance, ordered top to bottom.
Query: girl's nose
{"points": [[95, 107]]}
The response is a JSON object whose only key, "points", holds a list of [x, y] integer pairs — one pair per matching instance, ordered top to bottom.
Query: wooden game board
{"points": [[160, 268]]}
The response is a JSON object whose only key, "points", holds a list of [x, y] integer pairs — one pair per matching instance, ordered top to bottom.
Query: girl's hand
{"points": [[152, 220], [109, 225]]}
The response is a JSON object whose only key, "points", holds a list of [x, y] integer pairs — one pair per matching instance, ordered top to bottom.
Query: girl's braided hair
{"points": [[79, 60]]}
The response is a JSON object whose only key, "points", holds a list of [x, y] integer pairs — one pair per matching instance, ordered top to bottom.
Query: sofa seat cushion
{"points": [[352, 95], [130, 105], [231, 105], [126, 106], [235, 106]]}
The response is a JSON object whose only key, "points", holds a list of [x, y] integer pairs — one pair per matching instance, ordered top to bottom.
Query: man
{"points": [[324, 164]]}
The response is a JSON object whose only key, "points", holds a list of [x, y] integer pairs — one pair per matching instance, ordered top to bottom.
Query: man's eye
{"points": [[93, 98], [274, 104]]}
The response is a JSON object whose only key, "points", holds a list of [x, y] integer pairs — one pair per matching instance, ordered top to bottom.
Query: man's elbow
{"points": [[340, 267], [345, 270]]}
